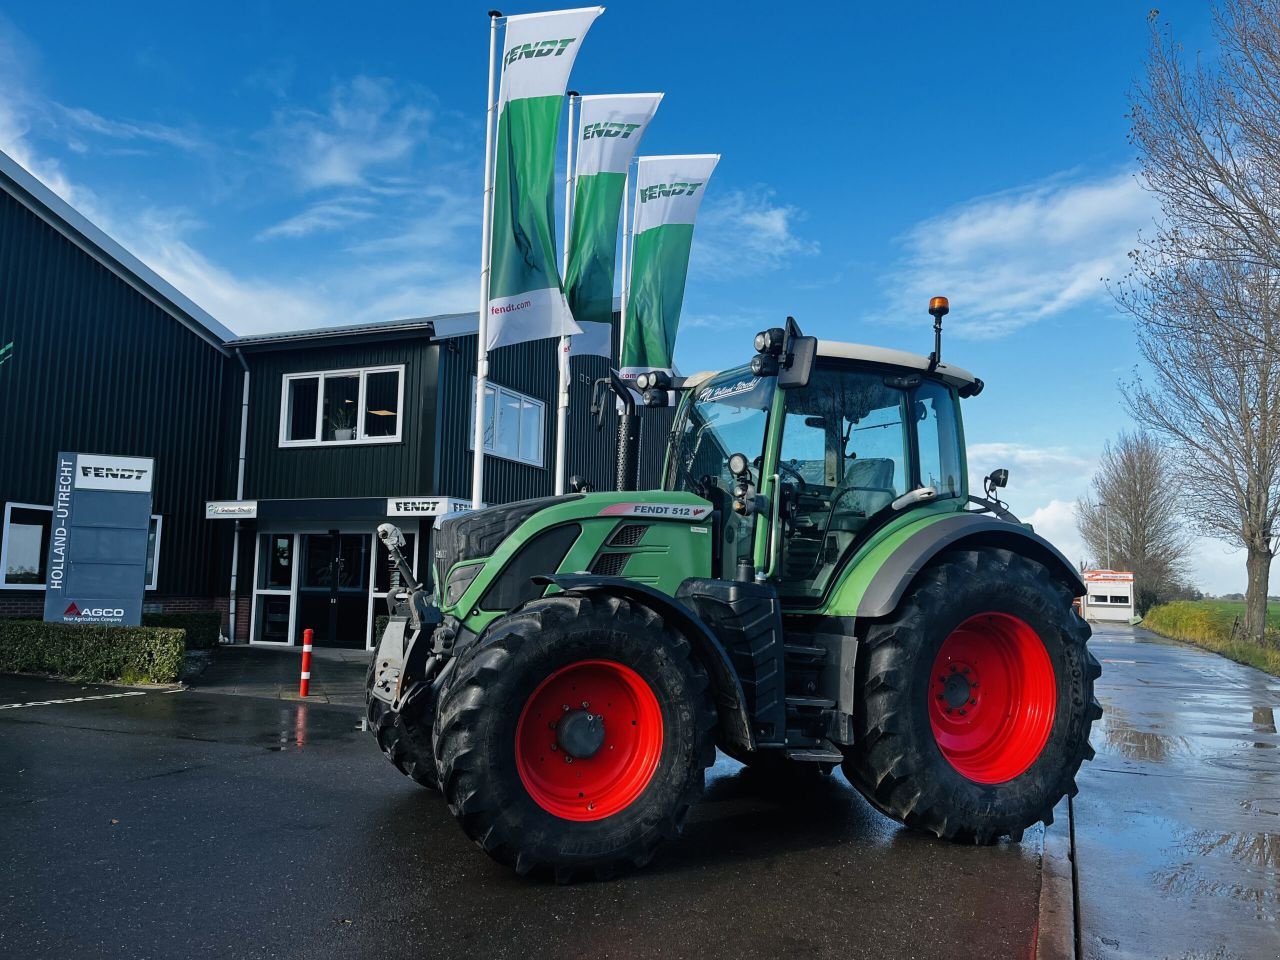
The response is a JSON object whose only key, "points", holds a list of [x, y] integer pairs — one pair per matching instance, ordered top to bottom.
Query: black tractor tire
{"points": [[908, 708], [404, 739], [506, 788]]}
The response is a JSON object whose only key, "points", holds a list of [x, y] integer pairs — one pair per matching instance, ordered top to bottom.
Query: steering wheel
{"points": [[790, 468]]}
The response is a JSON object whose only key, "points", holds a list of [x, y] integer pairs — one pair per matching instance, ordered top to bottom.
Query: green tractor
{"points": [[813, 585]]}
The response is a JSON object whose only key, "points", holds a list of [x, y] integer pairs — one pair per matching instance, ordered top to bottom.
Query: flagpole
{"points": [[626, 260], [482, 344], [562, 403]]}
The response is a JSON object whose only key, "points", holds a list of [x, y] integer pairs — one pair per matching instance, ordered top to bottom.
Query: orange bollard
{"points": [[305, 684]]}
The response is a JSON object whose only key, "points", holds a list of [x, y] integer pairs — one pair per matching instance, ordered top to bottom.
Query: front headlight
{"points": [[459, 579]]}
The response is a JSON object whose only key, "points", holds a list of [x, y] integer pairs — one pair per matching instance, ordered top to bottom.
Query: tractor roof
{"points": [[956, 376]]}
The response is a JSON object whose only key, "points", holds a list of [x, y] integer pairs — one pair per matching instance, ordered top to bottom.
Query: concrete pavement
{"points": [[337, 675]]}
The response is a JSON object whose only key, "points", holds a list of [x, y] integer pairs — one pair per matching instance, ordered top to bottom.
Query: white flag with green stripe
{"points": [[609, 133], [668, 193], [526, 298]]}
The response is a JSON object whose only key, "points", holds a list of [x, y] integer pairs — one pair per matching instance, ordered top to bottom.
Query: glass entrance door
{"points": [[273, 588], [333, 588]]}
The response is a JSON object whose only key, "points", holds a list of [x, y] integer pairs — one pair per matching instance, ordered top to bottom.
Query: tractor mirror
{"points": [[801, 353]]}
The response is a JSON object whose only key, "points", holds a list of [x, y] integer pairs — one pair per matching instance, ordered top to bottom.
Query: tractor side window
{"points": [[939, 441], [844, 451]]}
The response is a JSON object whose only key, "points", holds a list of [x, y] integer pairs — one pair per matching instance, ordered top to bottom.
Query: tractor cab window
{"points": [[727, 415], [938, 435], [846, 452]]}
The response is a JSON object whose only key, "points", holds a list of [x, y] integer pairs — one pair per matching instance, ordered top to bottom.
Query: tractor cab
{"points": [[868, 435]]}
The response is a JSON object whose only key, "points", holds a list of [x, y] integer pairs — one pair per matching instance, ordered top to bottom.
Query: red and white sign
{"points": [[1108, 576]]}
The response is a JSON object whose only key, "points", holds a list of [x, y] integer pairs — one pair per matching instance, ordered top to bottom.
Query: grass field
{"points": [[1207, 623]]}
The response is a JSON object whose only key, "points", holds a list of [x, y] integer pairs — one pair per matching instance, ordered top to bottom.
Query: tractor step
{"points": [[803, 650], [819, 703], [815, 755]]}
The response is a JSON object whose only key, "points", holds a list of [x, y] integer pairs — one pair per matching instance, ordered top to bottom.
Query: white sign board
{"points": [[123, 474], [425, 506], [231, 510]]}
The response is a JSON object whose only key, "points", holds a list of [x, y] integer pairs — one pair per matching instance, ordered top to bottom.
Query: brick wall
{"points": [[21, 603], [30, 605]]}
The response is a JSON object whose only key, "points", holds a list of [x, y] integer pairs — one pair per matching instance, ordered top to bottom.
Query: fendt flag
{"points": [[608, 135], [668, 193], [526, 299]]}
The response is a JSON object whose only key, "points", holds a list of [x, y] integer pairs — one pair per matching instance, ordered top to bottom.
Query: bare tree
{"points": [[1204, 290], [1132, 517]]}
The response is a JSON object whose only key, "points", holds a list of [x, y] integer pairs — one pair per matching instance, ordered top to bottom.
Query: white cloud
{"points": [[89, 122], [367, 127], [321, 217], [746, 232], [1016, 257], [1056, 522]]}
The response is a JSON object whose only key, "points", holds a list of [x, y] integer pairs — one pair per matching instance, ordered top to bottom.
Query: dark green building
{"points": [[276, 455]]}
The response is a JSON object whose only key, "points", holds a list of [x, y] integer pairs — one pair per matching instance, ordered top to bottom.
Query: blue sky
{"points": [[291, 165]]}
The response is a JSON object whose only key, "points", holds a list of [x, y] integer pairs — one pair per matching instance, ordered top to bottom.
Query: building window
{"points": [[342, 406], [513, 424], [24, 549]]}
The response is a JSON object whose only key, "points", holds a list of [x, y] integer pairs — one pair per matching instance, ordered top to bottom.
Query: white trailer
{"points": [[1110, 595]]}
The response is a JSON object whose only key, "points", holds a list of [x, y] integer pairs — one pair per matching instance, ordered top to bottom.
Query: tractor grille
{"points": [[477, 534], [628, 536], [610, 564]]}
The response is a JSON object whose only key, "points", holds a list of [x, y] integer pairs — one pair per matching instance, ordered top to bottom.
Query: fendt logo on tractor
{"points": [[539, 48], [813, 586]]}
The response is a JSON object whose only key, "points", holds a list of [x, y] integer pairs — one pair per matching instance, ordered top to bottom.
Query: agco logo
{"points": [[540, 48], [610, 128], [659, 190], [74, 611]]}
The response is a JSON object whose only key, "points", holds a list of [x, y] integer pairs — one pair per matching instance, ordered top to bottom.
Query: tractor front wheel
{"points": [[975, 699], [575, 735]]}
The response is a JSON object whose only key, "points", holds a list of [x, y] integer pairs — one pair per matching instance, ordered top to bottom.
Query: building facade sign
{"points": [[425, 506], [231, 510], [97, 566]]}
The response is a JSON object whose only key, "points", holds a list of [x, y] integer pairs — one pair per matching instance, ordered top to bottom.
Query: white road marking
{"points": [[1119, 661], [52, 703]]}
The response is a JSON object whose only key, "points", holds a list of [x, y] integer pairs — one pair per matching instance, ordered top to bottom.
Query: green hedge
{"points": [[1208, 623], [202, 626], [92, 652]]}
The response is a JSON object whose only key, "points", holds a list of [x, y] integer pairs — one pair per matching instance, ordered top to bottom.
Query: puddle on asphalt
{"points": [[1240, 866]]}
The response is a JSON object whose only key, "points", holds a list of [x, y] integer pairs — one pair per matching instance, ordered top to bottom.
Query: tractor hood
{"points": [[480, 534]]}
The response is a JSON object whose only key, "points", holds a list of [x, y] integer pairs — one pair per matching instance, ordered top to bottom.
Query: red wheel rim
{"points": [[992, 697], [613, 776]]}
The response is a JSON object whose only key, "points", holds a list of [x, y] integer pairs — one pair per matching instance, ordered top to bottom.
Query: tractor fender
{"points": [[967, 530], [731, 703]]}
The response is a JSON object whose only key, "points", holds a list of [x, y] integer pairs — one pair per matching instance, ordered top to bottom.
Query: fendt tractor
{"points": [[812, 585]]}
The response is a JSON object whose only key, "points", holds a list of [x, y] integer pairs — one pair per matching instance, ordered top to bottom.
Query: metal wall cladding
{"points": [[97, 367], [531, 369], [341, 469]]}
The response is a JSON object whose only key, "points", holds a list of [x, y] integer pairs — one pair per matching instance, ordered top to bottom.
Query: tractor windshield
{"points": [[728, 414]]}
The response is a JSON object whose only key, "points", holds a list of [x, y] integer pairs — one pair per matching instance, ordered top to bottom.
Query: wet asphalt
{"points": [[196, 824], [1177, 824], [203, 825]]}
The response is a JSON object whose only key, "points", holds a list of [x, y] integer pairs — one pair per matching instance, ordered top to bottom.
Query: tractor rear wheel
{"points": [[975, 700], [574, 736], [405, 740]]}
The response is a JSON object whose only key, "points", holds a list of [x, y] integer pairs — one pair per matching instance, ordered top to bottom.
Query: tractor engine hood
{"points": [[480, 533], [475, 535]]}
